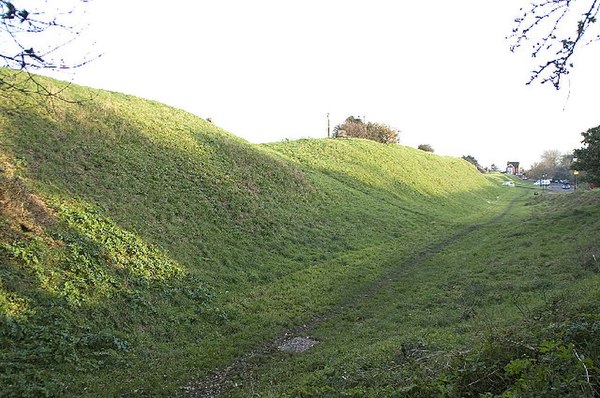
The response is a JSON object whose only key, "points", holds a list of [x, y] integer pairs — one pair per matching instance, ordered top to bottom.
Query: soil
{"points": [[297, 344]]}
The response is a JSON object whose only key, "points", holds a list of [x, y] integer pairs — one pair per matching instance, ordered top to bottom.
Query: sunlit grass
{"points": [[395, 168], [162, 247], [534, 264]]}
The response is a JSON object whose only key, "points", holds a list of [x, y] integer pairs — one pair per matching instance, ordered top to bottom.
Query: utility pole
{"points": [[328, 130], [575, 174]]}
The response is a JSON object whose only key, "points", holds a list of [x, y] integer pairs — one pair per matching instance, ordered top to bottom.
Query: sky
{"points": [[267, 70]]}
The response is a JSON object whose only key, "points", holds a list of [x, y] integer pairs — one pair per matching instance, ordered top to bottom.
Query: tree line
{"points": [[585, 160]]}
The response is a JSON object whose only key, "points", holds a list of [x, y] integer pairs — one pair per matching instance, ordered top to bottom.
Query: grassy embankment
{"points": [[140, 246]]}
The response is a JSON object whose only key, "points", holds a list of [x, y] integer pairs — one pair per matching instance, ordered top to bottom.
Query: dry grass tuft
{"points": [[22, 210]]}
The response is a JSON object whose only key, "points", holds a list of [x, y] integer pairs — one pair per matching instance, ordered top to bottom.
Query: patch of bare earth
{"points": [[23, 210], [297, 344]]}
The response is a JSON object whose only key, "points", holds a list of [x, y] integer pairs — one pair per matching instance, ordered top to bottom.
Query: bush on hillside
{"points": [[356, 128]]}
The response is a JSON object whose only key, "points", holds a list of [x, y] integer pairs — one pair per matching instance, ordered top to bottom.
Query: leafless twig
{"points": [[546, 23], [33, 39], [587, 373]]}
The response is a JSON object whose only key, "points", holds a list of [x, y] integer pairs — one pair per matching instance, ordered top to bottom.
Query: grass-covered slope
{"points": [[417, 180], [141, 246]]}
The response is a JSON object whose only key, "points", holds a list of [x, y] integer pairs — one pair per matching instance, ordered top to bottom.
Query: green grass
{"points": [[142, 247], [428, 333]]}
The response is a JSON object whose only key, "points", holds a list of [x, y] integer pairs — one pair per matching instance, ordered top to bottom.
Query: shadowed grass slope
{"points": [[141, 246]]}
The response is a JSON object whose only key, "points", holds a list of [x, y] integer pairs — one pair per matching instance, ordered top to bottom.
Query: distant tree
{"points": [[555, 29], [33, 36], [352, 127], [356, 128], [382, 133], [426, 148], [588, 157], [471, 159], [474, 162], [552, 164], [546, 165], [493, 167], [564, 171]]}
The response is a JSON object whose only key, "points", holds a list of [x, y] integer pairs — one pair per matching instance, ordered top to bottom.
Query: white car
{"points": [[508, 184]]}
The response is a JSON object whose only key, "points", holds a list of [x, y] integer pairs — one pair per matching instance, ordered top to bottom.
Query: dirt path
{"points": [[221, 380]]}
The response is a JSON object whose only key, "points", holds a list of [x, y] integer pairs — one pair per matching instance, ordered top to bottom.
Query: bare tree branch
{"points": [[557, 29], [35, 39]]}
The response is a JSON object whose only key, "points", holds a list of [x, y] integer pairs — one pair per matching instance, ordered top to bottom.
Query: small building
{"points": [[513, 168]]}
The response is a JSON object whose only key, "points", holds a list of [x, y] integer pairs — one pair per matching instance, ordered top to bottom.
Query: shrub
{"points": [[356, 128]]}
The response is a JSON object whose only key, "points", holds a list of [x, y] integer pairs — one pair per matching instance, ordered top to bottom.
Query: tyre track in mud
{"points": [[223, 379]]}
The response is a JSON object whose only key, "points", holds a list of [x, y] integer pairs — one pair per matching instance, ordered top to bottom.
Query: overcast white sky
{"points": [[439, 71]]}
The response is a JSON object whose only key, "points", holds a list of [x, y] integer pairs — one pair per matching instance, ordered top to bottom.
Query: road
{"points": [[553, 188]]}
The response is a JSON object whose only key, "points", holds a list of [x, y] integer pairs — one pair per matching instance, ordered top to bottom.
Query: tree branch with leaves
{"points": [[588, 156]]}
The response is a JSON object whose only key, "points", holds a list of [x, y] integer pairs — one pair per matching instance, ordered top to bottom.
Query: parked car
{"points": [[508, 184], [566, 186]]}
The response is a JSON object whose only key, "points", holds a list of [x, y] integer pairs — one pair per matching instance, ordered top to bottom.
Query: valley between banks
{"points": [[142, 248]]}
